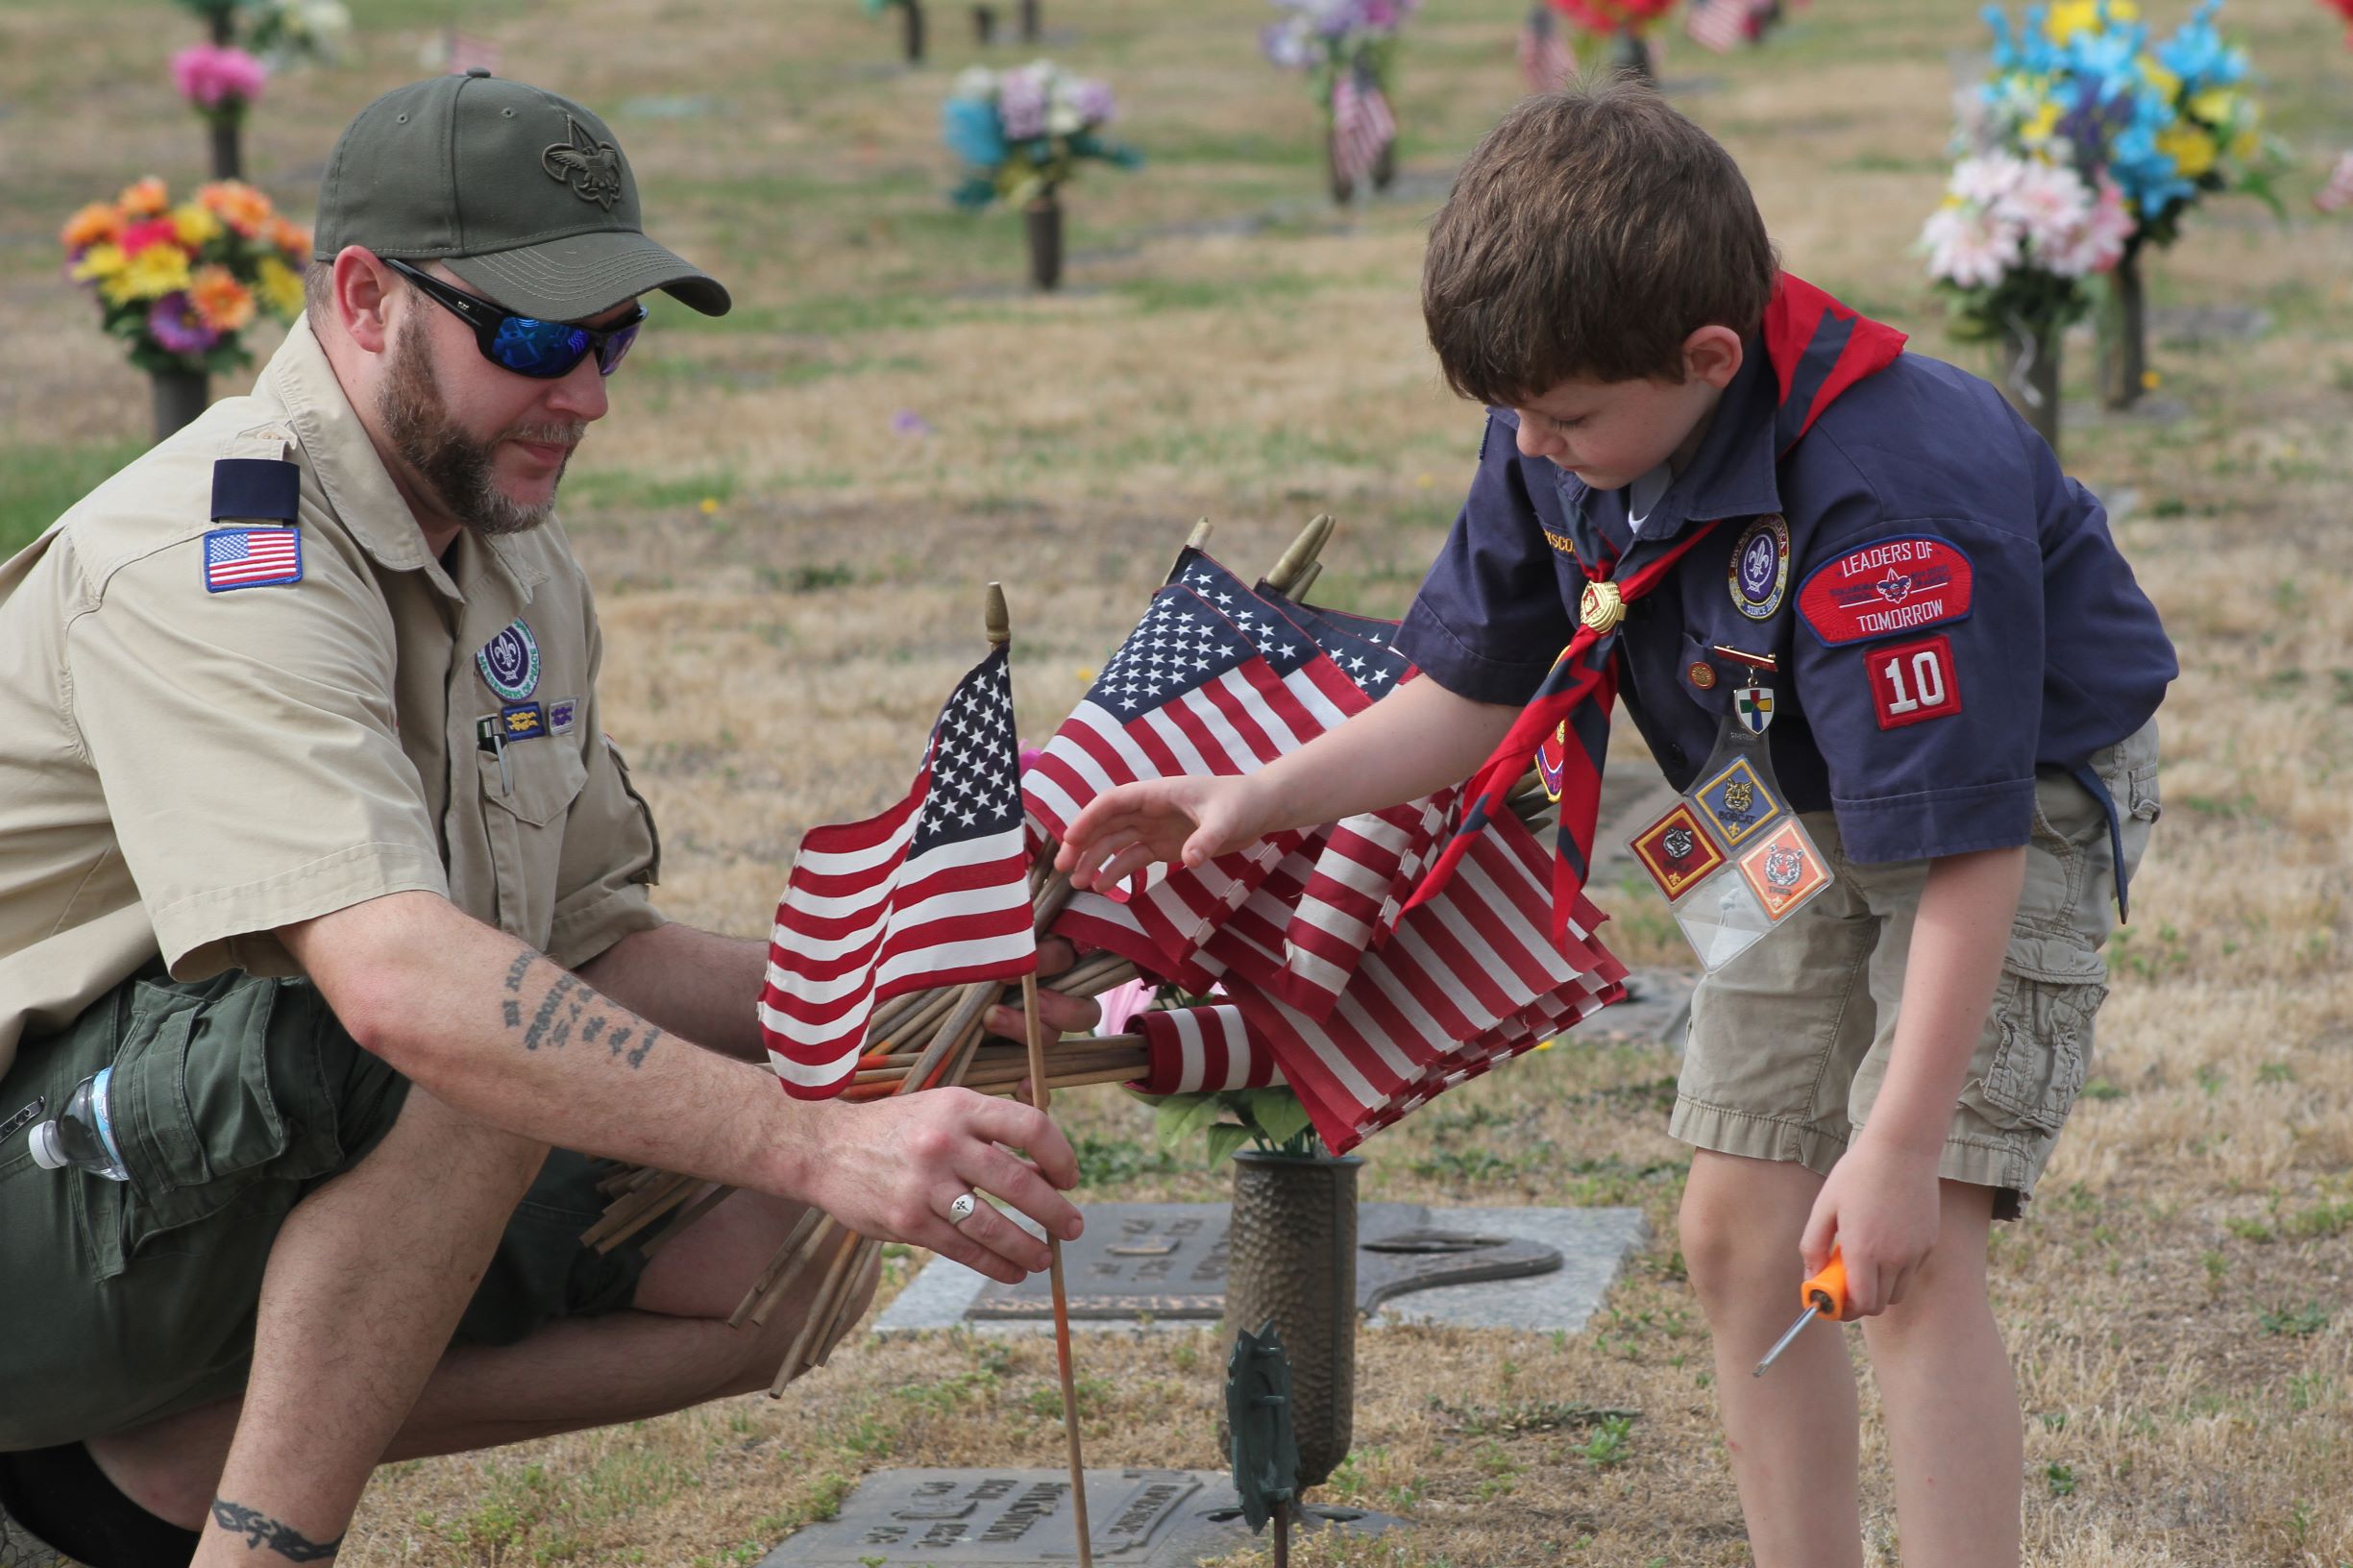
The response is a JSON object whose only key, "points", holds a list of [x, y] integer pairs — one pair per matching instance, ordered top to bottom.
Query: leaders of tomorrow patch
{"points": [[1760, 567], [1885, 587], [509, 662]]}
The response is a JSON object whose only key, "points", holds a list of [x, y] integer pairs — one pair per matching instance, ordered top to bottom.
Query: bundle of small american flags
{"points": [[1322, 979]]}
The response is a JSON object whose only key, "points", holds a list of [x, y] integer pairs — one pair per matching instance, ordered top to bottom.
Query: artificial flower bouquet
{"points": [[1596, 19], [1321, 36], [1023, 132], [2014, 238], [180, 285]]}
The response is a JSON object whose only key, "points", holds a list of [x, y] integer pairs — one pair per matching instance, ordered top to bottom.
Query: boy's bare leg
{"points": [[672, 1351], [1954, 1428], [1792, 1434]]}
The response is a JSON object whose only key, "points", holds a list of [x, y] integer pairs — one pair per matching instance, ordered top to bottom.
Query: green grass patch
{"points": [[37, 483]]}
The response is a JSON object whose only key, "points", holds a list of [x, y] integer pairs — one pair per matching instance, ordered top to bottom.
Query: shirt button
{"points": [[1702, 675]]}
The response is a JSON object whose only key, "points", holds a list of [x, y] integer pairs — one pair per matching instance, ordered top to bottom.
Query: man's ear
{"points": [[363, 290], [1712, 354]]}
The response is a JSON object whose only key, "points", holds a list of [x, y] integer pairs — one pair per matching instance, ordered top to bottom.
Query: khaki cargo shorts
{"points": [[1789, 1042], [121, 1303]]}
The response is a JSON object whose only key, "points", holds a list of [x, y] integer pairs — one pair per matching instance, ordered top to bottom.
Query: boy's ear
{"points": [[1712, 354]]}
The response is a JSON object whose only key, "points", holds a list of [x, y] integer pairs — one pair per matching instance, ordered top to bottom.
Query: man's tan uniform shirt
{"points": [[185, 771]]}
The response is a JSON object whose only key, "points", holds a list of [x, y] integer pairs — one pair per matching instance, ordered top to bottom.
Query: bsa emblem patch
{"points": [[592, 168], [1760, 567], [1885, 587], [509, 662], [1752, 706], [1737, 803], [1676, 851], [1784, 871]]}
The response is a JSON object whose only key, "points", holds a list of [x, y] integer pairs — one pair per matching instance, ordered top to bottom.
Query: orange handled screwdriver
{"points": [[1824, 1296]]}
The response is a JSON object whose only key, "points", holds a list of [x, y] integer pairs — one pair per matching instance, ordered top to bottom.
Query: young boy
{"points": [[1965, 678]]}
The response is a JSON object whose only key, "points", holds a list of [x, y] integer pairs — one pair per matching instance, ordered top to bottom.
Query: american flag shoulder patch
{"points": [[251, 558]]}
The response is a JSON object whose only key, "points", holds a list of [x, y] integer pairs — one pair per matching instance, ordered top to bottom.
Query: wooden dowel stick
{"points": [[1042, 1096], [674, 1197], [702, 1206], [794, 1246], [821, 1312]]}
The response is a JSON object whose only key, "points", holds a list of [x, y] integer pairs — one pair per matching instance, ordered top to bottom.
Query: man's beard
{"points": [[456, 468]]}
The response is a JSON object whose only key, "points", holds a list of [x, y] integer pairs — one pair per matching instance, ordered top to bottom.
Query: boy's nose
{"points": [[1533, 442]]}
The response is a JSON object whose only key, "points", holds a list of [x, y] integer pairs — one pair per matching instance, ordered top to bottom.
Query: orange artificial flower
{"points": [[144, 199], [238, 204], [94, 225], [292, 238], [224, 303]]}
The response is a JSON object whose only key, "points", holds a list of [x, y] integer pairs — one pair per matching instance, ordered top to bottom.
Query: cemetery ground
{"points": [[790, 515]]}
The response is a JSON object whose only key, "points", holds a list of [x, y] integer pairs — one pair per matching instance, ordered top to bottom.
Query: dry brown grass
{"points": [[2176, 1303]]}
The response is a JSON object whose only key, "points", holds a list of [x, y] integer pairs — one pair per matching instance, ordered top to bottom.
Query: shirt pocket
{"points": [[524, 809]]}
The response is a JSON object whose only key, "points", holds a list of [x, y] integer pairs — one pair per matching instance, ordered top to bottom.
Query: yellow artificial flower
{"points": [[2069, 17], [2163, 82], [2215, 106], [2038, 128], [2247, 142], [2191, 148], [145, 198], [94, 225], [194, 226], [100, 262], [149, 275], [280, 286], [221, 302]]}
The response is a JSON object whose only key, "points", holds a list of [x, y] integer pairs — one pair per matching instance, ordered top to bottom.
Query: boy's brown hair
{"points": [[1590, 234]]}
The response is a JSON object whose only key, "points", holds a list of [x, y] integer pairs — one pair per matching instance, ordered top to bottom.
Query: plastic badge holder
{"points": [[1726, 894]]}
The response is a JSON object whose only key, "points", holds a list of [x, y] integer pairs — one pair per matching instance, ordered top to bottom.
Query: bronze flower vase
{"points": [[1029, 21], [983, 25], [911, 34], [1630, 56], [1385, 167], [1343, 188], [1043, 217], [2123, 333], [2027, 372], [178, 397], [1292, 1259]]}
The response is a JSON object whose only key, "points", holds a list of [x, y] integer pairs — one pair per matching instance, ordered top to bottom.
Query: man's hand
{"points": [[1187, 821], [891, 1168], [1879, 1208]]}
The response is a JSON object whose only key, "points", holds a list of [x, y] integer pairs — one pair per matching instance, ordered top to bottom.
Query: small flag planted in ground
{"points": [[468, 53], [1545, 61], [1361, 125], [2338, 194], [933, 892]]}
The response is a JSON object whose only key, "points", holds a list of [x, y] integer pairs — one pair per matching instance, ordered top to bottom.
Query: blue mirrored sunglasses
{"points": [[527, 345]]}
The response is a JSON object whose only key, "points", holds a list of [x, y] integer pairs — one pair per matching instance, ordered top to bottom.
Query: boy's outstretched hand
{"points": [[1185, 821]]}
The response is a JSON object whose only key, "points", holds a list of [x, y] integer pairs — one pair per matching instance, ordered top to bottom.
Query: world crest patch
{"points": [[1760, 571], [509, 662]]}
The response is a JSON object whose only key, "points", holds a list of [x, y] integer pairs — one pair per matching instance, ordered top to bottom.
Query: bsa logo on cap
{"points": [[592, 168], [509, 662]]}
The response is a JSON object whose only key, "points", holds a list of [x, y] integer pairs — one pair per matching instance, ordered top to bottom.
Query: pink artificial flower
{"points": [[211, 75], [2050, 205], [137, 236], [1967, 248], [1123, 1005]]}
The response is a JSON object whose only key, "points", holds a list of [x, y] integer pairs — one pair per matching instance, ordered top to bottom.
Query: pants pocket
{"points": [[2041, 1023], [222, 1102]]}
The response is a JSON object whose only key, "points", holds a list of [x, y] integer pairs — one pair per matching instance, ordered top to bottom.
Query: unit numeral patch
{"points": [[1913, 683]]}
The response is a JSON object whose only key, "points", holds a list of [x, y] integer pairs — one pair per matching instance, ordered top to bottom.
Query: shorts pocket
{"points": [[2042, 1025], [222, 1102]]}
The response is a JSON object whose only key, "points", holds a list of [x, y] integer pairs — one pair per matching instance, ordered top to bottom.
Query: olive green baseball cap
{"points": [[524, 195]]}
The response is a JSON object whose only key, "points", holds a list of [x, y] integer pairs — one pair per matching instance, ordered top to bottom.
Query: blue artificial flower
{"points": [[2198, 54], [2106, 58], [972, 132]]}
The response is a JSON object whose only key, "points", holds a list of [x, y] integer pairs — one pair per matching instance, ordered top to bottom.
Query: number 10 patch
{"points": [[1913, 681]]}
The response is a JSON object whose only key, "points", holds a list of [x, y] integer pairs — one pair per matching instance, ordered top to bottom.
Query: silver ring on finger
{"points": [[959, 1207]]}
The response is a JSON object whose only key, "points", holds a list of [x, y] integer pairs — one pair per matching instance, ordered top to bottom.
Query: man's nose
{"points": [[579, 393]]}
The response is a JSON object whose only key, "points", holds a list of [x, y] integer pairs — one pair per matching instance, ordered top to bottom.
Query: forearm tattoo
{"points": [[570, 1010], [261, 1531]]}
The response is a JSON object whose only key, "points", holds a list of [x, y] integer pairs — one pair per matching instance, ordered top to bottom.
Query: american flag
{"points": [[1722, 25], [467, 51], [1545, 61], [1361, 124], [2338, 194], [252, 557], [1189, 691], [933, 892], [1468, 980], [1198, 1048]]}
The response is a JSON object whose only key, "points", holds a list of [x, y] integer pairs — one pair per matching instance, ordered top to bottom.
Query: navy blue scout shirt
{"points": [[1948, 607]]}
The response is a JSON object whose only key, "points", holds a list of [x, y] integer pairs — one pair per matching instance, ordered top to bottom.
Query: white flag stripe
{"points": [[947, 857], [821, 863], [951, 905], [944, 955], [805, 1076]]}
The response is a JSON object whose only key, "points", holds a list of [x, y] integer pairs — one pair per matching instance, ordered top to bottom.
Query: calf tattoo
{"points": [[571, 1011], [260, 1531]]}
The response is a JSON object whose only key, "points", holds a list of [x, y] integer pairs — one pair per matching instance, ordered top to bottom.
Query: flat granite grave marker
{"points": [[1162, 1265], [1023, 1519]]}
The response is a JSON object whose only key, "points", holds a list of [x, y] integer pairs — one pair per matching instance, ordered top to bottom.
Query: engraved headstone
{"points": [[1023, 1519]]}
